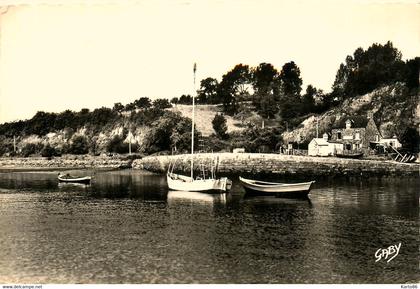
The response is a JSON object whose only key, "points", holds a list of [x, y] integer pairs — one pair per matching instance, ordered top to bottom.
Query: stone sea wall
{"points": [[69, 161], [250, 163]]}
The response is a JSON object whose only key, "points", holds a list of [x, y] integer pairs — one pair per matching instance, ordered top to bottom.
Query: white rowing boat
{"points": [[72, 179], [254, 187]]}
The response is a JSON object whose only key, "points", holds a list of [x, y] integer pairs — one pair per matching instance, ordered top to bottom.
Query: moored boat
{"points": [[350, 155], [74, 179], [178, 182], [209, 183], [261, 188]]}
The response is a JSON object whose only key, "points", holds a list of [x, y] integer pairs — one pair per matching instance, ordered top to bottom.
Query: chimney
{"points": [[370, 115], [348, 124], [325, 136]]}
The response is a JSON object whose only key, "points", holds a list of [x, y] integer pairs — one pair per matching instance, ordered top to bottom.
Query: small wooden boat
{"points": [[350, 155], [72, 179], [260, 188]]}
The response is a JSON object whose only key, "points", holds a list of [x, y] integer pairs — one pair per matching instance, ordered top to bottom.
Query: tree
{"points": [[369, 69], [263, 78], [341, 78], [412, 78], [291, 81], [291, 85], [234, 87], [207, 94], [185, 99], [308, 99], [175, 100], [143, 103], [161, 104], [130, 106], [268, 106], [118, 107], [291, 108], [83, 116], [101, 116], [65, 119], [41, 123], [219, 126], [169, 131], [261, 139], [410, 139], [79, 145], [117, 145], [29, 149], [48, 151]]}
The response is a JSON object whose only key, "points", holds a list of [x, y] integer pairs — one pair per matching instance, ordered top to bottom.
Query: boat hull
{"points": [[350, 156], [83, 180], [183, 183], [258, 188], [295, 194]]}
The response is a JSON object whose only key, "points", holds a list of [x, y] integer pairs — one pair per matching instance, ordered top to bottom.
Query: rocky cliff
{"points": [[390, 108]]}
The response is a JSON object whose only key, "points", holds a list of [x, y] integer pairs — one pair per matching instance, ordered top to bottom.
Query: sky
{"points": [[58, 55]]}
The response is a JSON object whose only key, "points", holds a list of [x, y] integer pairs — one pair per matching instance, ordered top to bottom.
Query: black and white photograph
{"points": [[209, 142]]}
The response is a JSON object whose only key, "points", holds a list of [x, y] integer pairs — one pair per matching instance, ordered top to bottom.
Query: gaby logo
{"points": [[391, 252]]}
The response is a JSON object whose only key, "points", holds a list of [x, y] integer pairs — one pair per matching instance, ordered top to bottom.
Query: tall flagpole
{"points": [[192, 126]]}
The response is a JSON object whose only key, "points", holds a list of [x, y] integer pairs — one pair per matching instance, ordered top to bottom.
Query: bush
{"points": [[219, 126], [171, 131], [256, 139], [6, 145], [79, 145], [117, 145], [30, 149], [48, 151]]}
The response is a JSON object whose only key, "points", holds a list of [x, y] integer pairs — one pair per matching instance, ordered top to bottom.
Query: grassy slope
{"points": [[204, 115]]}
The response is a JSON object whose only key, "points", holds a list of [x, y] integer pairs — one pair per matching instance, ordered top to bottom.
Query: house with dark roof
{"points": [[359, 134], [322, 147]]}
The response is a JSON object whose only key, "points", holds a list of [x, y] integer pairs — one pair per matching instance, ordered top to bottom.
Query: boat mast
{"points": [[192, 126]]}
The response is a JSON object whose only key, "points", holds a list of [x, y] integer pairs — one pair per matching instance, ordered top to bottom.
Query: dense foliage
{"points": [[369, 69], [264, 92], [219, 126], [171, 132]]}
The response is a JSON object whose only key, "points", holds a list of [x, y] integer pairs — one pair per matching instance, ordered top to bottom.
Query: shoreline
{"points": [[64, 162], [248, 164], [284, 165]]}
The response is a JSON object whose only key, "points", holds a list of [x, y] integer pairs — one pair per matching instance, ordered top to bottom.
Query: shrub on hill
{"points": [[219, 126], [79, 145]]}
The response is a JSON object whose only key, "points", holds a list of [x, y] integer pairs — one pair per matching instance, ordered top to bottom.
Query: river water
{"points": [[127, 228]]}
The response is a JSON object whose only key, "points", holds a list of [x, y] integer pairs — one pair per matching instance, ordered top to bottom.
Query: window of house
{"points": [[338, 135], [348, 146], [357, 146]]}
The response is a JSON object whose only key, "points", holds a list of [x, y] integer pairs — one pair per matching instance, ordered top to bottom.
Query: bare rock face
{"points": [[388, 105]]}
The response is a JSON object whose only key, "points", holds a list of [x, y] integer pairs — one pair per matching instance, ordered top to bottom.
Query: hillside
{"points": [[392, 113], [204, 115], [105, 130], [157, 130]]}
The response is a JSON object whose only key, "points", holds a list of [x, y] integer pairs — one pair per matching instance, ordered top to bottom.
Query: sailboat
{"points": [[178, 182]]}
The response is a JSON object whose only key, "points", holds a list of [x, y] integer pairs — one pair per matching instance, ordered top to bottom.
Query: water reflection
{"points": [[192, 197], [127, 228]]}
